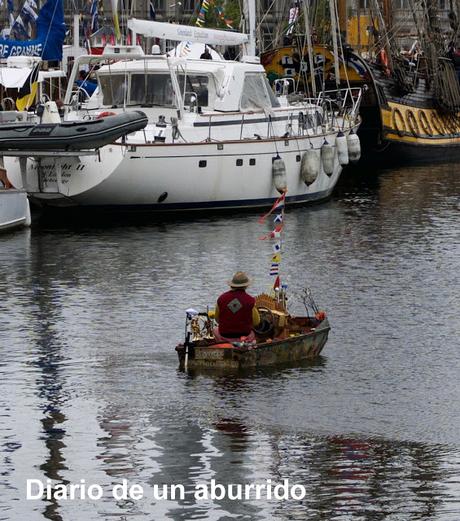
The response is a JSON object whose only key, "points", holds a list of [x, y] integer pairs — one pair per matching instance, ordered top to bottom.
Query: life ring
{"points": [[384, 62], [105, 114], [412, 123], [424, 123], [437, 125], [401, 127]]}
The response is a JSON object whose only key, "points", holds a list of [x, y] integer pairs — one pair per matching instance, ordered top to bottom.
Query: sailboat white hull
{"points": [[165, 177], [14, 209]]}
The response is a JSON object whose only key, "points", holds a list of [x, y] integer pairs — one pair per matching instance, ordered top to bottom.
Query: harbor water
{"points": [[90, 387]]}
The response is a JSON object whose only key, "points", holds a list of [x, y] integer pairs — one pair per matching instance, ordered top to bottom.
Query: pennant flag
{"points": [[152, 12], [26, 94], [279, 203], [278, 218], [277, 247], [276, 257], [277, 284]]}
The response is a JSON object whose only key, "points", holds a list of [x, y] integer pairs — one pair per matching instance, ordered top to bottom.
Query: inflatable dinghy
{"points": [[71, 135]]}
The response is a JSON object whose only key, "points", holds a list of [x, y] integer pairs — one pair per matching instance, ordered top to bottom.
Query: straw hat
{"points": [[240, 280]]}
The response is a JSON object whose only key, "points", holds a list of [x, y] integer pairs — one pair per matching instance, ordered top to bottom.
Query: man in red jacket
{"points": [[235, 310]]}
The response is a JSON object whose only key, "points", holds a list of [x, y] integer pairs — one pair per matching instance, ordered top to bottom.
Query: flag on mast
{"points": [[116, 23], [27, 93]]}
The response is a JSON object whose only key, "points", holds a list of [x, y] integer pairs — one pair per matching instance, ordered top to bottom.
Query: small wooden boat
{"points": [[71, 135], [281, 338]]}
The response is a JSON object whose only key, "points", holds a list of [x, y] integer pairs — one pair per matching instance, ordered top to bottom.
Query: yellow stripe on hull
{"points": [[415, 126]]}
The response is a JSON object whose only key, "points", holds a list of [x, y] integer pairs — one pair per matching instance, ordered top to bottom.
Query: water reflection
{"points": [[90, 389]]}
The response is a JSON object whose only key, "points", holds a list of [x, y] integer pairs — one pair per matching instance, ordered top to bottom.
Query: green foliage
{"points": [[231, 11]]}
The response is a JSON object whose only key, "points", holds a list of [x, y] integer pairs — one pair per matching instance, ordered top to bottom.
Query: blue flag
{"points": [[51, 31]]}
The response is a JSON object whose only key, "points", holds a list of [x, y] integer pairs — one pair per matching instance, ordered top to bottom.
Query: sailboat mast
{"points": [[251, 20], [334, 30], [311, 66]]}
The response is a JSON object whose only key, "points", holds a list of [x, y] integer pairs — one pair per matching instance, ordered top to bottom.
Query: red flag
{"points": [[278, 204], [277, 284]]}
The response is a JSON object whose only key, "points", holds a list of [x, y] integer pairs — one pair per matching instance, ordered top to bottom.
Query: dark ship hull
{"points": [[396, 128], [402, 128]]}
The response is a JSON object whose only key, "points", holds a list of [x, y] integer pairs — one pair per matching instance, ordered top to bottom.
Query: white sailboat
{"points": [[217, 136]]}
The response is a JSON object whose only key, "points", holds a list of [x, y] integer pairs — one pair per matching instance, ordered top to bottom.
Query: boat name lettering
{"points": [[20, 50], [51, 168], [208, 355]]}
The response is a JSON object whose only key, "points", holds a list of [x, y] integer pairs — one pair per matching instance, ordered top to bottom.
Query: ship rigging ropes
{"points": [[446, 87]]}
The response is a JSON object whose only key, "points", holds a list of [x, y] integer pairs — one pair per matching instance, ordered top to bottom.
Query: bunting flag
{"points": [[220, 13], [26, 94], [278, 205], [276, 236]]}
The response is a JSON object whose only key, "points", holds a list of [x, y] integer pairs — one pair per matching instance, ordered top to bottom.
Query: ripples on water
{"points": [[90, 388]]}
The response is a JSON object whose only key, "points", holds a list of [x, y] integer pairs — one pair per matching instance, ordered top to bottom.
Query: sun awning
{"points": [[186, 33], [14, 78]]}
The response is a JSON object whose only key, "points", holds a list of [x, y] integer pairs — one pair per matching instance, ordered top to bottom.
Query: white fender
{"points": [[354, 147], [342, 148], [327, 157], [310, 166], [279, 174]]}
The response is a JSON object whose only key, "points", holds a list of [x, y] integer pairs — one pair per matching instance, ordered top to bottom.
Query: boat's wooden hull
{"points": [[288, 350]]}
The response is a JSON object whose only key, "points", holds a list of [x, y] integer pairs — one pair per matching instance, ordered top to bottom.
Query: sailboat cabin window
{"points": [[197, 84], [114, 89], [152, 90], [256, 93]]}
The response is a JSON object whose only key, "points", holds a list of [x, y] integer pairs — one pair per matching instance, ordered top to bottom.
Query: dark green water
{"points": [[89, 386]]}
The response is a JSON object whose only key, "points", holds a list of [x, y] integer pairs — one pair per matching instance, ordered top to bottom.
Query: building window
{"points": [[239, 162], [252, 162]]}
